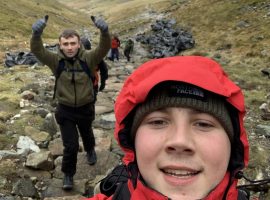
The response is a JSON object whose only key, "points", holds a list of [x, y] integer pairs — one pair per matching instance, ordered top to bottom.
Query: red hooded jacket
{"points": [[115, 43], [196, 70]]}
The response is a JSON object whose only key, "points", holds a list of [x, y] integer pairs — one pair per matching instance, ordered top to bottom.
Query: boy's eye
{"points": [[157, 123], [204, 125]]}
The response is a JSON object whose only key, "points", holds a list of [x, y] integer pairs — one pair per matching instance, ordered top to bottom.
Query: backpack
{"points": [[61, 67]]}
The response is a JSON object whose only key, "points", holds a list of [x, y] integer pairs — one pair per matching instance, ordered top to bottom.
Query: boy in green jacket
{"points": [[74, 70]]}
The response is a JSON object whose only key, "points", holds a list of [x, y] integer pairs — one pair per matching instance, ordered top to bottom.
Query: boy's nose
{"points": [[180, 140]]}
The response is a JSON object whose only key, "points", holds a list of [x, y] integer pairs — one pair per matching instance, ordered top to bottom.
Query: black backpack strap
{"points": [[61, 67], [59, 70], [87, 70], [110, 183], [116, 183], [121, 192]]}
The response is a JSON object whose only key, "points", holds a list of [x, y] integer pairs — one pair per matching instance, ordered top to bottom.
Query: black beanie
{"points": [[178, 94]]}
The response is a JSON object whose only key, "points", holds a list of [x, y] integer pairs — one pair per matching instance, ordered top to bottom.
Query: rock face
{"points": [[166, 40]]}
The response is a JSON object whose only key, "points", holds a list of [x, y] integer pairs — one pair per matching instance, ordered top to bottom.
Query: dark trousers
{"points": [[115, 54], [127, 54], [72, 122]]}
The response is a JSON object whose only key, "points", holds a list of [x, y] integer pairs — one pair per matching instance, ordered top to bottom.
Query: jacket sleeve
{"points": [[43, 55], [95, 56], [99, 197]]}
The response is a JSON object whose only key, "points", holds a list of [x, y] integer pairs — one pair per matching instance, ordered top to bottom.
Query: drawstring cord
{"points": [[254, 185]]}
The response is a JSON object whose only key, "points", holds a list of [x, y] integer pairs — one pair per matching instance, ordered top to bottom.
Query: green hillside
{"points": [[18, 16], [236, 33]]}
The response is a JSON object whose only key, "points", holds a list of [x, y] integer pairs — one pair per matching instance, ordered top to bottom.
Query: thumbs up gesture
{"points": [[100, 24], [39, 25]]}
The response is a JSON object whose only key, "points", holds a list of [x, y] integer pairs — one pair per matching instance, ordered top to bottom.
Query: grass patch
{"points": [[254, 98], [9, 107], [27, 120], [3, 127], [6, 142]]}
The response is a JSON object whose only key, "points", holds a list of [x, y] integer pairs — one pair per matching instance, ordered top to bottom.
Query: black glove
{"points": [[100, 24], [39, 26], [102, 85]]}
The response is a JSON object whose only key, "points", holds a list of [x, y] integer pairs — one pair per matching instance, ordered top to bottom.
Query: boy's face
{"points": [[69, 46], [181, 152]]}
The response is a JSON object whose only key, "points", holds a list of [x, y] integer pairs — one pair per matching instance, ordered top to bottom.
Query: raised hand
{"points": [[100, 24], [39, 25]]}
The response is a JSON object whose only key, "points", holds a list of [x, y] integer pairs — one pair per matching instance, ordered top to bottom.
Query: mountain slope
{"points": [[18, 16], [236, 33]]}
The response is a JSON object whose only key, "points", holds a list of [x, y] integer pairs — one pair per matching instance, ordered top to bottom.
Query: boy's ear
{"points": [[59, 44]]}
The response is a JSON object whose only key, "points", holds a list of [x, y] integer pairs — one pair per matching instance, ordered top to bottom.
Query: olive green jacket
{"points": [[73, 89]]}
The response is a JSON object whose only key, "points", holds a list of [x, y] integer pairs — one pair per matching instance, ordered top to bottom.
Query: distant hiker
{"points": [[115, 44], [128, 48], [101, 67], [74, 69], [183, 135]]}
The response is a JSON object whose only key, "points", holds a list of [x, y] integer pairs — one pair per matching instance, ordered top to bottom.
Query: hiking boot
{"points": [[91, 157], [67, 182]]}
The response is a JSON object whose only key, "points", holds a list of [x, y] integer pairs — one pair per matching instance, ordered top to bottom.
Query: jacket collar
{"points": [[143, 192]]}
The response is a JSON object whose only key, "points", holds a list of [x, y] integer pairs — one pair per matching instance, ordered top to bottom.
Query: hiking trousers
{"points": [[115, 54], [127, 54], [74, 121]]}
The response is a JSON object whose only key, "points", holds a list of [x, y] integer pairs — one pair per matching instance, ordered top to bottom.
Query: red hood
{"points": [[195, 70]]}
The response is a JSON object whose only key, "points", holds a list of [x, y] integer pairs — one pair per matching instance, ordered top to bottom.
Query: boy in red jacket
{"points": [[115, 44], [179, 121]]}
